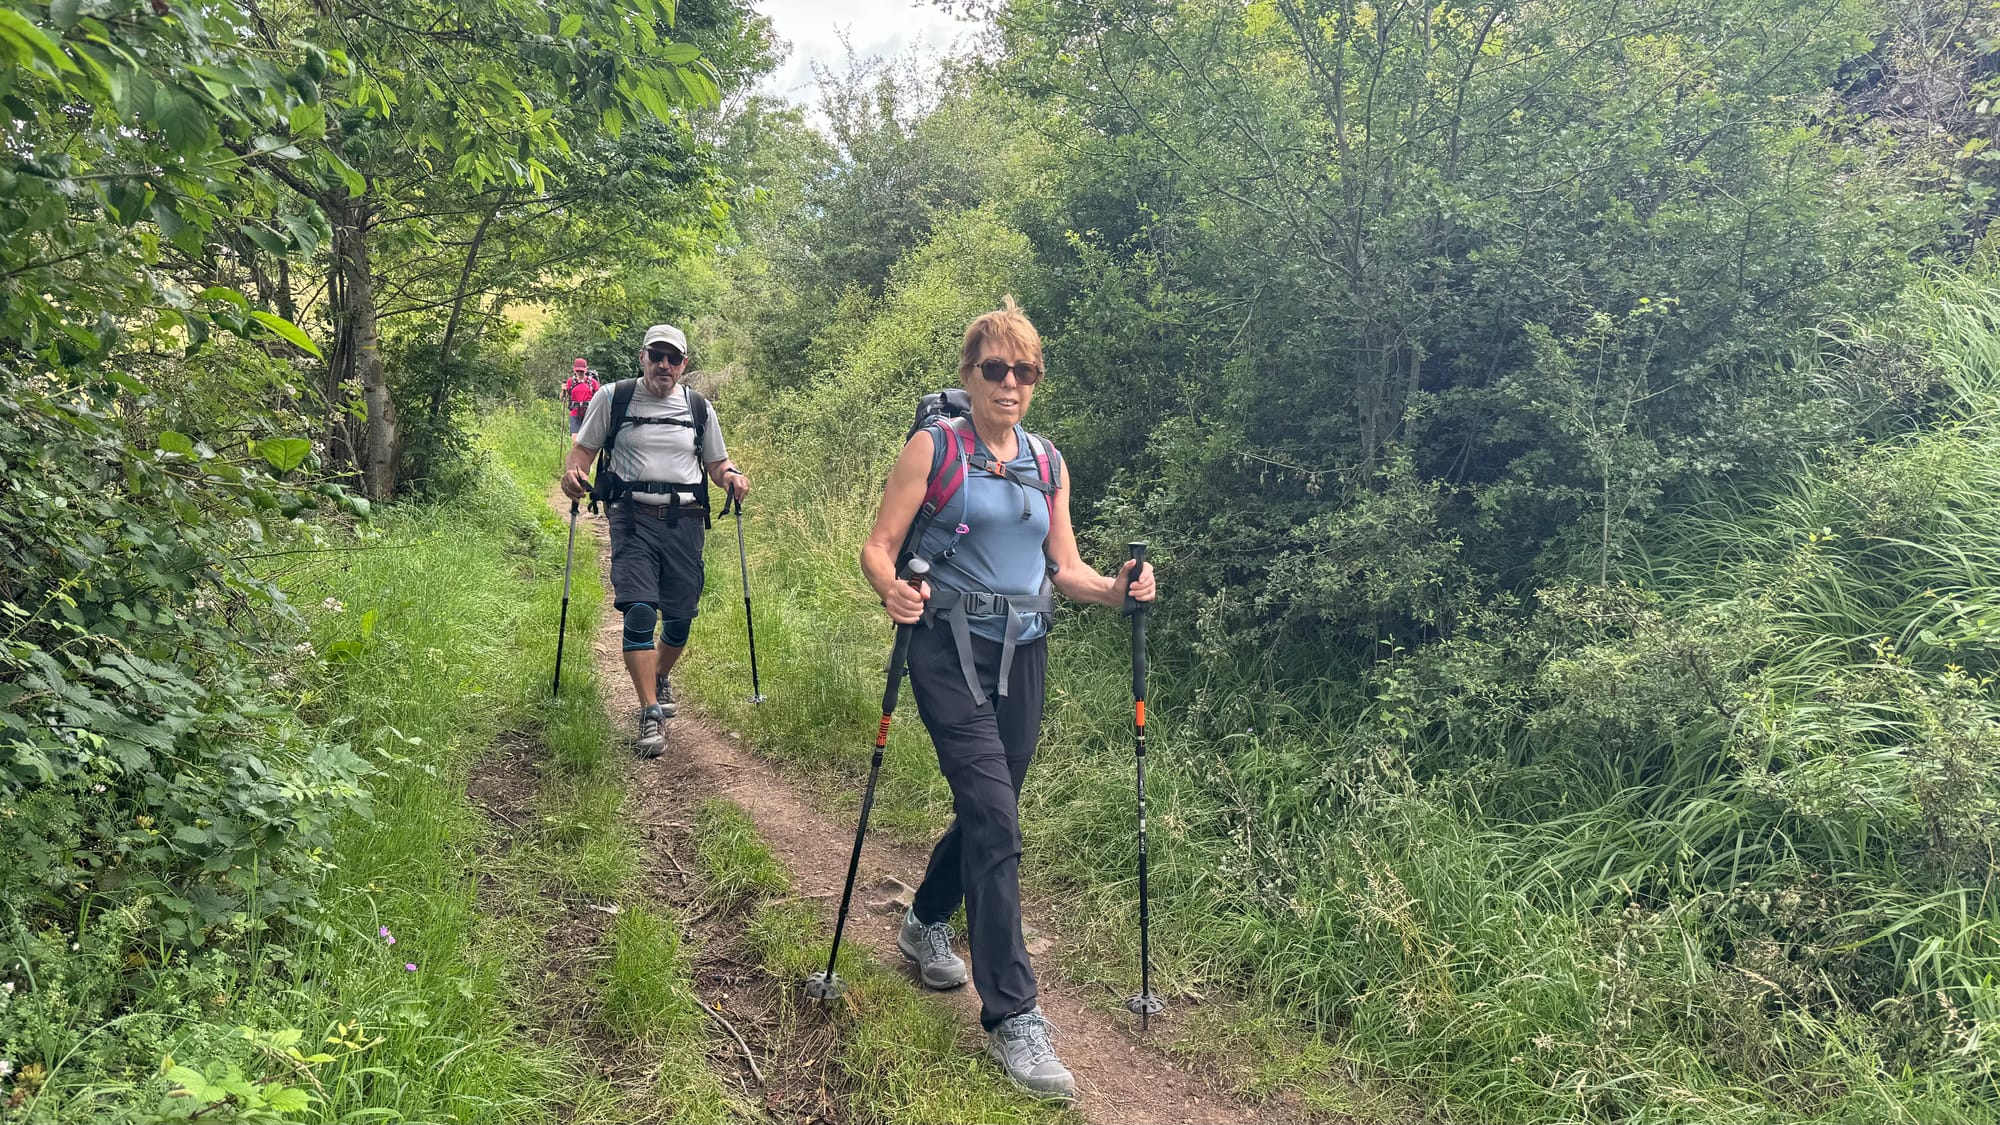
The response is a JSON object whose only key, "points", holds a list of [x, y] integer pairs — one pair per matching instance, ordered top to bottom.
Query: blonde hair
{"points": [[1006, 324]]}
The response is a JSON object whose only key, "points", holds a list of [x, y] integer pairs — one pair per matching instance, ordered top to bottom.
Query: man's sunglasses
{"points": [[669, 355], [995, 371]]}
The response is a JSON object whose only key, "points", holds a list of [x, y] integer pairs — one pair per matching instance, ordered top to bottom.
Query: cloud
{"points": [[882, 28]]}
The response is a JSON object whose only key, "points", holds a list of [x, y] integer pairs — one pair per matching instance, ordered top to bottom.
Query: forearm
{"points": [[578, 459], [720, 469], [878, 565], [1082, 584]]}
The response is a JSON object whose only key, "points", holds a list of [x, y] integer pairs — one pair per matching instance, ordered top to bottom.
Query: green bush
{"points": [[138, 763]]}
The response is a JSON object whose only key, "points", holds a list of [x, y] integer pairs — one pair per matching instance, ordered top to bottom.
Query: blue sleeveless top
{"points": [[999, 552]]}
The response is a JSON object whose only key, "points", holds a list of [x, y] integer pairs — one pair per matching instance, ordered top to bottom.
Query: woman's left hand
{"points": [[1140, 589]]}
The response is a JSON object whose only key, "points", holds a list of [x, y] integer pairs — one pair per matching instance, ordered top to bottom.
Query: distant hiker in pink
{"points": [[577, 391]]}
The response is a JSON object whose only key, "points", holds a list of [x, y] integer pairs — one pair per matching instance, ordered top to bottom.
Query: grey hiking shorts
{"points": [[656, 560]]}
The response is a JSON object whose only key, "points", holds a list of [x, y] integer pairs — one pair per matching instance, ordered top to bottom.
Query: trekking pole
{"points": [[562, 626], [749, 626], [827, 986], [1145, 1004]]}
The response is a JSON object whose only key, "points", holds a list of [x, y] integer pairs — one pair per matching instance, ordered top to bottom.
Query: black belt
{"points": [[956, 607]]}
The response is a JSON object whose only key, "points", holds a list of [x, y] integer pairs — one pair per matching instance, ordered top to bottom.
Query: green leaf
{"points": [[65, 13], [571, 24], [25, 41], [181, 119], [308, 121], [357, 184], [127, 199], [267, 240], [223, 293], [286, 330], [173, 441], [284, 454], [286, 1099]]}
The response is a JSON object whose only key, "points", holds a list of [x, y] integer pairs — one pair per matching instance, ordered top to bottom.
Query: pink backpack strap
{"points": [[1048, 466], [947, 468]]}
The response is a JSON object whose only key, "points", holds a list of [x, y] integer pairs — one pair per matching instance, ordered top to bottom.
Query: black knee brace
{"points": [[639, 621], [674, 632]]}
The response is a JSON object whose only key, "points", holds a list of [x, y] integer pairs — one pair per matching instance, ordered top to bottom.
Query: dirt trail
{"points": [[1120, 1079]]}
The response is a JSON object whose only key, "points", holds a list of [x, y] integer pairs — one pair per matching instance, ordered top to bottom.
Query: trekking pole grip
{"points": [[1138, 553], [913, 573]]}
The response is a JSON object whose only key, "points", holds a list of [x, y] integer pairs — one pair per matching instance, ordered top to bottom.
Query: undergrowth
{"points": [[1707, 840]]}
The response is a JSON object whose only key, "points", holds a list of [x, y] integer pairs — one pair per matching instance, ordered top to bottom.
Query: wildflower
{"points": [[333, 605], [303, 648], [97, 788], [409, 966], [8, 988], [6, 1067]]}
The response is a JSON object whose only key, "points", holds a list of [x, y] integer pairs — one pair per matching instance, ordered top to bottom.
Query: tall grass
{"points": [[1710, 845]]}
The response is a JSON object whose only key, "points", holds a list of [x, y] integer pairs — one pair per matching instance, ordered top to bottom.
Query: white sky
{"points": [[882, 28]]}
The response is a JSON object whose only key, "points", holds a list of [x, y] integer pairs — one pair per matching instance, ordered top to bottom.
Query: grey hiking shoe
{"points": [[665, 691], [652, 733], [930, 947], [1023, 1048]]}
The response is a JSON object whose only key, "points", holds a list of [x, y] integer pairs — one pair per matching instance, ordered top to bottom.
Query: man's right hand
{"points": [[574, 484]]}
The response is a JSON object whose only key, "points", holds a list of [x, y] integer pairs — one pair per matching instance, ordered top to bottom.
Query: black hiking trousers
{"points": [[983, 747]]}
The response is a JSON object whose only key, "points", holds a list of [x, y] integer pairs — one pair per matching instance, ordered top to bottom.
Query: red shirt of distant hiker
{"points": [[578, 390], [665, 447], [995, 548]]}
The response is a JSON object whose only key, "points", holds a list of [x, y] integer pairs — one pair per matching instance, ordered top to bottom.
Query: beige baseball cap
{"points": [[665, 334]]}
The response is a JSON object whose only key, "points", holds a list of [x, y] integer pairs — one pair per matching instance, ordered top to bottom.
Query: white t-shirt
{"points": [[652, 452]]}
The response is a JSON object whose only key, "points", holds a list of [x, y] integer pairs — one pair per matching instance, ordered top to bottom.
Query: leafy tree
{"points": [[1542, 258]]}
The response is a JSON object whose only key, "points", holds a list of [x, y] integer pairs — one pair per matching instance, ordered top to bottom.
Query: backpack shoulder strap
{"points": [[621, 405], [698, 408], [949, 451], [1048, 465]]}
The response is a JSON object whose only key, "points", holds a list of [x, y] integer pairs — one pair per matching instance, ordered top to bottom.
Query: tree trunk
{"points": [[360, 351], [441, 384]]}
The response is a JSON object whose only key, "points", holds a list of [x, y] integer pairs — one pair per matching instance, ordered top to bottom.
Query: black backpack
{"points": [[608, 487]]}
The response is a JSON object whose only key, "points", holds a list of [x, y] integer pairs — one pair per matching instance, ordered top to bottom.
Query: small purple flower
{"points": [[382, 931], [392, 939], [409, 966]]}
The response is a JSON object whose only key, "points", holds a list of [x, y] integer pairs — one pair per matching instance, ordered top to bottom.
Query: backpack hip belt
{"points": [[622, 491], [957, 607]]}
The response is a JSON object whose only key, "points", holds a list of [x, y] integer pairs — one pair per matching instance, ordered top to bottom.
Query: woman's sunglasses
{"points": [[667, 355], [995, 371]]}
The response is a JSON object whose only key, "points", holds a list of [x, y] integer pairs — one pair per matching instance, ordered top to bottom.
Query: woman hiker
{"points": [[995, 548]]}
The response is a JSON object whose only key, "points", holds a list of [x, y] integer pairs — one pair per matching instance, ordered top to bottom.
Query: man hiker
{"points": [[578, 390], [663, 446]]}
